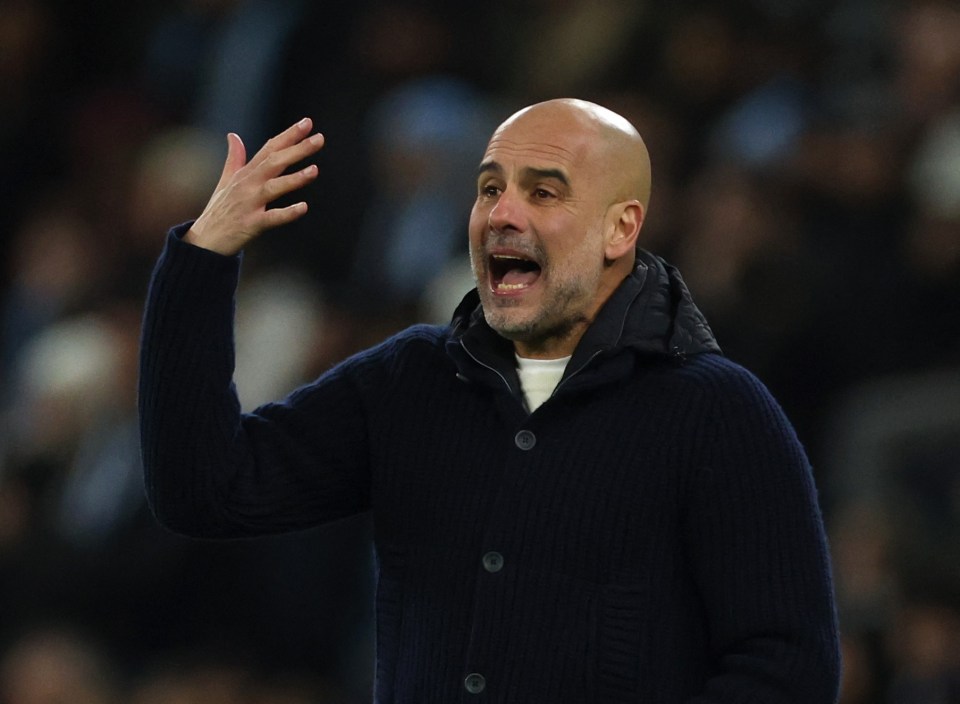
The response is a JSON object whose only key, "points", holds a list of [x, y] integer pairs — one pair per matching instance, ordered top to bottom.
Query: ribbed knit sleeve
{"points": [[209, 469], [758, 550]]}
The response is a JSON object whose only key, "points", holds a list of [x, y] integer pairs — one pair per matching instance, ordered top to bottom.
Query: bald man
{"points": [[576, 497]]}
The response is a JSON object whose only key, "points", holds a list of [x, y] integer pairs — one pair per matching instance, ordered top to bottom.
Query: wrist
{"points": [[198, 237]]}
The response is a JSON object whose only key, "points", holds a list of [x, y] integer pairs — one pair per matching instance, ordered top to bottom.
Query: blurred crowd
{"points": [[806, 160]]}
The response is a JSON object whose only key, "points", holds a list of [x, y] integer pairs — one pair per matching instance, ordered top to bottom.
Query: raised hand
{"points": [[238, 211]]}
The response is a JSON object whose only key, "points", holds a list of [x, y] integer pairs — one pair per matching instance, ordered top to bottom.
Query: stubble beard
{"points": [[564, 308], [559, 315]]}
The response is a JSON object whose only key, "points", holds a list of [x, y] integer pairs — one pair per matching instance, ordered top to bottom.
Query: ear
{"points": [[622, 237]]}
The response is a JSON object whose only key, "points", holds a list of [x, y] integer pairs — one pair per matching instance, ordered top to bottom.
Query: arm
{"points": [[209, 470], [760, 558]]}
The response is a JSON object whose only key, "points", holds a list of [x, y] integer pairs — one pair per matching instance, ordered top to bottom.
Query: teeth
{"points": [[507, 256], [510, 287]]}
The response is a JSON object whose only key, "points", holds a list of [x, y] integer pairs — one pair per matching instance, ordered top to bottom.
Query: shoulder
{"points": [[414, 341], [418, 345], [412, 355], [723, 373], [714, 376], [732, 395], [745, 445]]}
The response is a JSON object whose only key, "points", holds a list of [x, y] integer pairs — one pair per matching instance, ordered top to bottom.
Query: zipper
{"points": [[623, 322], [486, 366], [573, 374], [507, 383]]}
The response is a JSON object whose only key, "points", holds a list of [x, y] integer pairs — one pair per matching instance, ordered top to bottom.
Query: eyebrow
{"points": [[488, 166], [528, 171]]}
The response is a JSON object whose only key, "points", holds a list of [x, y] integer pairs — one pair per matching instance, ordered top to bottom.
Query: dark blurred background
{"points": [[806, 158]]}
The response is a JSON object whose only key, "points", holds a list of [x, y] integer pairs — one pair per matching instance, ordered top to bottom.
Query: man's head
{"points": [[561, 195]]}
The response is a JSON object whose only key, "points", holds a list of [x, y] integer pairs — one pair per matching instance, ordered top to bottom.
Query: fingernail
{"points": [[304, 123]]}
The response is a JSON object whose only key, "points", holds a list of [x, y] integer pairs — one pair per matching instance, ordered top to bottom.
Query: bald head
{"points": [[614, 144], [561, 194]]}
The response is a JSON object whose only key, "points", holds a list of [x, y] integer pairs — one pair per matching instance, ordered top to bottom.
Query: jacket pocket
{"points": [[620, 634]]}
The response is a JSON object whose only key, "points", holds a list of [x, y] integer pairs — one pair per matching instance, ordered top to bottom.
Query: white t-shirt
{"points": [[538, 378]]}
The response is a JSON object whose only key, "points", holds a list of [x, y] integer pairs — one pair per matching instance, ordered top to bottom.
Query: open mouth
{"points": [[510, 272]]}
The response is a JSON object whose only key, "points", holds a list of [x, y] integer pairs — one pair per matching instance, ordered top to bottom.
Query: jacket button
{"points": [[525, 440], [493, 562], [475, 683]]}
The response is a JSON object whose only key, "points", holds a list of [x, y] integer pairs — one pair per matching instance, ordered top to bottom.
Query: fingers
{"points": [[293, 134], [297, 134], [236, 152], [279, 153], [236, 158], [270, 164], [276, 187], [239, 209], [275, 217]]}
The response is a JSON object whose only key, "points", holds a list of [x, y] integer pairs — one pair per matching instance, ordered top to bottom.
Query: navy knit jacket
{"points": [[649, 534]]}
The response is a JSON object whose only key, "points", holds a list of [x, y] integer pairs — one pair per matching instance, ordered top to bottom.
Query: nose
{"points": [[508, 212]]}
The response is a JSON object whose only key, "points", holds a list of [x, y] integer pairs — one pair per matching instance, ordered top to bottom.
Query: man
{"points": [[576, 497]]}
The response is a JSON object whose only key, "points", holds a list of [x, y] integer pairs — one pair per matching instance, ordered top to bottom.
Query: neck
{"points": [[554, 347]]}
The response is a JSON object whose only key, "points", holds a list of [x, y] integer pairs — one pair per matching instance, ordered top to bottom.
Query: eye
{"points": [[489, 190], [543, 194]]}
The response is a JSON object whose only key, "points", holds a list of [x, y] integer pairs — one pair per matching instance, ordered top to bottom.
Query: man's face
{"points": [[537, 234]]}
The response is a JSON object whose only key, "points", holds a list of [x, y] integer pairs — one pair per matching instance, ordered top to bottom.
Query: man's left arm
{"points": [[759, 553]]}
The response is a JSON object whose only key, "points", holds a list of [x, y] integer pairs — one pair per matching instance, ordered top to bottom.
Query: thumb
{"points": [[236, 158]]}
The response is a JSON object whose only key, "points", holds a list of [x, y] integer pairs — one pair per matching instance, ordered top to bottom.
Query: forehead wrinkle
{"points": [[512, 146], [603, 148], [493, 166]]}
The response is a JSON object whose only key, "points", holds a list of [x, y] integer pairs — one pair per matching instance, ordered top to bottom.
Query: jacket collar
{"points": [[651, 313]]}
